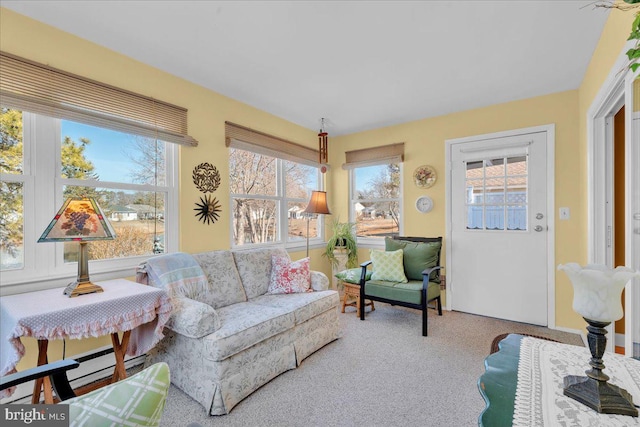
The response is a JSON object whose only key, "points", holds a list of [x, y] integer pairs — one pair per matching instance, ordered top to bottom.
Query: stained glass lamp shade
{"points": [[79, 220]]}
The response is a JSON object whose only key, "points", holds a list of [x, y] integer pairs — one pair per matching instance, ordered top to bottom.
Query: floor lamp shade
{"points": [[317, 205], [79, 220]]}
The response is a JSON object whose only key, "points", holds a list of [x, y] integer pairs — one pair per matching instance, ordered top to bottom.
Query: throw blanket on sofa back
{"points": [[177, 273]]}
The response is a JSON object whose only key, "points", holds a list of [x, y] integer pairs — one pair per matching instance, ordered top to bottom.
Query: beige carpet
{"points": [[382, 372]]}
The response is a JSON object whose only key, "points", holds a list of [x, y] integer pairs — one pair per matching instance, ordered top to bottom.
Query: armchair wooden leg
{"points": [[361, 306], [439, 306], [424, 321]]}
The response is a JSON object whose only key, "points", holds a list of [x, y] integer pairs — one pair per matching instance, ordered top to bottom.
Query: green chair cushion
{"points": [[417, 257], [410, 292], [137, 400]]}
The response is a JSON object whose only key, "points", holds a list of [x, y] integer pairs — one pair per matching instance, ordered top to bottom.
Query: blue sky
{"points": [[107, 150]]}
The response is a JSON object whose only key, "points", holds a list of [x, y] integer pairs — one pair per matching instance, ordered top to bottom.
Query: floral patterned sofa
{"points": [[227, 341]]}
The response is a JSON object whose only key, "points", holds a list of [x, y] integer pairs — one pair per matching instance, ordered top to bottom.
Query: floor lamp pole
{"points": [[308, 219]]}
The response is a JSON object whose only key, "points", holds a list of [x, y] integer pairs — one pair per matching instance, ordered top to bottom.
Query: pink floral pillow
{"points": [[289, 277]]}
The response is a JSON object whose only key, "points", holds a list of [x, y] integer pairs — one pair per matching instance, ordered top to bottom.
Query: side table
{"points": [[352, 290], [137, 311]]}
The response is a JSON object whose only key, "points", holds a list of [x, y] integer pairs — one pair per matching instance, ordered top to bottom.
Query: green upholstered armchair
{"points": [[421, 262], [136, 401]]}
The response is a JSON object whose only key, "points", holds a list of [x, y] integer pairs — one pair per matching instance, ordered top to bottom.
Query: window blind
{"points": [[30, 86], [244, 138], [384, 154]]}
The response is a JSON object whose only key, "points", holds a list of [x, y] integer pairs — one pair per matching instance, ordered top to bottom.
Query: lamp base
{"points": [[81, 288], [599, 395]]}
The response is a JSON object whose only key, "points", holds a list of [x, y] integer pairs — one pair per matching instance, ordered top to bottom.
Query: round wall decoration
{"points": [[424, 176], [206, 177], [424, 204], [208, 210]]}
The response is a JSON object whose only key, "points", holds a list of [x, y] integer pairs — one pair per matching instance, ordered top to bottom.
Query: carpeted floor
{"points": [[382, 372]]}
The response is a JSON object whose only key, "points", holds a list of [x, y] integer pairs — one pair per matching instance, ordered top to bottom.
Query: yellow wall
{"points": [[208, 111], [424, 141]]}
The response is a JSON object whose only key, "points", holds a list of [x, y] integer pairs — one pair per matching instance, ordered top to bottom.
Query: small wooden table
{"points": [[353, 290], [137, 311]]}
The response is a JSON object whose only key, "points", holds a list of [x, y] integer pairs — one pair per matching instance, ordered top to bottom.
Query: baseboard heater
{"points": [[94, 366]]}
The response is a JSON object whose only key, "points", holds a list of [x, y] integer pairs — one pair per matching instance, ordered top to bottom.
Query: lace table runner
{"points": [[539, 397]]}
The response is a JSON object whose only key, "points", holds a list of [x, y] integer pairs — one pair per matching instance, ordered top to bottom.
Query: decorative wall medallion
{"points": [[424, 176], [206, 177], [424, 204], [208, 211]]}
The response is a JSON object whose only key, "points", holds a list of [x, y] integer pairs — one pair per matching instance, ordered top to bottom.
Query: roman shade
{"points": [[38, 88], [244, 138], [384, 154]]}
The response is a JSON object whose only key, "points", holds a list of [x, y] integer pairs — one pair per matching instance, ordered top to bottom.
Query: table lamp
{"points": [[317, 205], [79, 220], [597, 292]]}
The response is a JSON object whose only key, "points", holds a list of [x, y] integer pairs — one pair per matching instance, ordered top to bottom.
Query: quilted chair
{"points": [[412, 280], [135, 401]]}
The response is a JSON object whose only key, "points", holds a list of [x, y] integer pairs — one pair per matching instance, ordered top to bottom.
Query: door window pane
{"points": [[496, 194]]}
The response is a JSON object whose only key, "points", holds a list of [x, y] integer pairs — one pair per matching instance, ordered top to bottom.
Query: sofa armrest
{"points": [[319, 281], [192, 318]]}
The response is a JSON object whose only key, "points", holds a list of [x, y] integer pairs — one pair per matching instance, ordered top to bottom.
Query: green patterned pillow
{"points": [[388, 266], [352, 275], [137, 400]]}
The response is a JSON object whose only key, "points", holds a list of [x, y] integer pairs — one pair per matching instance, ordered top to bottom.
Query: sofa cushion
{"points": [[417, 256], [388, 266], [254, 268], [289, 277], [225, 287], [409, 292], [303, 306], [244, 325]]}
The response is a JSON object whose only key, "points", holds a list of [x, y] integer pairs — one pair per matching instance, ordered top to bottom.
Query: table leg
{"points": [[119, 350], [43, 383]]}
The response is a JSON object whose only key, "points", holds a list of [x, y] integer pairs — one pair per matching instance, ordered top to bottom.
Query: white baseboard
{"points": [[619, 340], [88, 372]]}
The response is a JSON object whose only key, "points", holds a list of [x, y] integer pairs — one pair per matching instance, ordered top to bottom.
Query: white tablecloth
{"points": [[48, 314], [540, 400]]}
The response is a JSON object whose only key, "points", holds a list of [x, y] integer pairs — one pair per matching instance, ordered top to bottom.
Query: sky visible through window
{"points": [[107, 150]]}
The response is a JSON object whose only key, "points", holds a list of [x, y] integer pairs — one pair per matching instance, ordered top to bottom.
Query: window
{"points": [[132, 177], [496, 196], [268, 197], [376, 200]]}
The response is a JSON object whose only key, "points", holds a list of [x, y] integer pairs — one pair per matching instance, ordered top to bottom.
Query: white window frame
{"points": [[282, 202], [375, 242], [44, 265]]}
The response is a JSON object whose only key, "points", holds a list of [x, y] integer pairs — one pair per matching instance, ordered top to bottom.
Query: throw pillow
{"points": [[417, 257], [387, 266], [352, 275], [289, 277]]}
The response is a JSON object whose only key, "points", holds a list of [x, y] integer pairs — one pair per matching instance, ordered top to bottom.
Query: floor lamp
{"points": [[317, 205]]}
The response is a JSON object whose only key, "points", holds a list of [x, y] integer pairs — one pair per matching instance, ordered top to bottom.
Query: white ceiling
{"points": [[359, 64]]}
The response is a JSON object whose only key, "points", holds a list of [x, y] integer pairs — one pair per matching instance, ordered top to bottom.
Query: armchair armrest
{"points": [[363, 274], [426, 276], [192, 318], [56, 370]]}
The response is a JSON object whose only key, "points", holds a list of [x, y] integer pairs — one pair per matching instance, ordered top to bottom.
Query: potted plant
{"points": [[342, 241]]}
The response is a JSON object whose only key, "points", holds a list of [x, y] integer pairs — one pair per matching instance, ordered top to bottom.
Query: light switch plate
{"points": [[564, 213]]}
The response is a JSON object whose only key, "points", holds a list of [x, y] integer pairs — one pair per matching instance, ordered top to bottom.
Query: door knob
{"points": [[539, 216], [538, 228]]}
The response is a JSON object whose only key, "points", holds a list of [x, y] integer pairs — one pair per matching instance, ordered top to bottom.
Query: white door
{"points": [[632, 171], [498, 226]]}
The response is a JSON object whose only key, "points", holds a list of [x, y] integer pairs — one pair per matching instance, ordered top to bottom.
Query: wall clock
{"points": [[424, 176], [424, 204]]}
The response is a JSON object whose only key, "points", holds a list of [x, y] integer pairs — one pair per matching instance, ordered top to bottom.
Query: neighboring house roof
{"points": [[142, 208], [122, 209]]}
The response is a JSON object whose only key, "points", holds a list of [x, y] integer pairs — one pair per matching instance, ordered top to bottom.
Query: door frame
{"points": [[607, 102], [550, 131]]}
